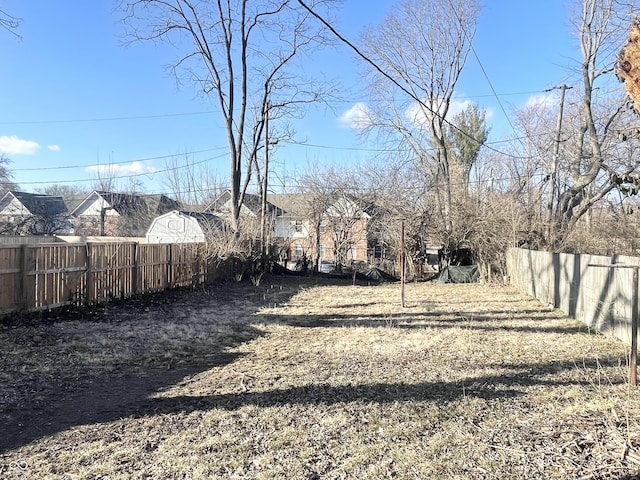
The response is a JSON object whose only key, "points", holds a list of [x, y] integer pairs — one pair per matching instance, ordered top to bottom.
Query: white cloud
{"points": [[541, 100], [416, 112], [358, 117], [16, 146], [54, 148], [133, 168]]}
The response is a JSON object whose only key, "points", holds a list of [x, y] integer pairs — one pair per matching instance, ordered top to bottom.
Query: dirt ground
{"points": [[76, 366], [314, 378]]}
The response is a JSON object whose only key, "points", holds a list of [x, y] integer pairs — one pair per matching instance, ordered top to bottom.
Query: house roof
{"points": [[73, 201], [251, 201], [39, 204], [132, 204], [292, 204], [302, 204], [203, 217]]}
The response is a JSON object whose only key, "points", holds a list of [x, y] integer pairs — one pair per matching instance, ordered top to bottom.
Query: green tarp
{"points": [[453, 274]]}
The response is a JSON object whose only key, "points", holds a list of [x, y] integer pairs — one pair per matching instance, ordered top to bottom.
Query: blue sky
{"points": [[73, 96]]}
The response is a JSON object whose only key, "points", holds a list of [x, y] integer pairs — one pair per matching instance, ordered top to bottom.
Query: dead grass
{"points": [[321, 381]]}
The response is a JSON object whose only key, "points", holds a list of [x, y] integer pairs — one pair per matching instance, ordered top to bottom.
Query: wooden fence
{"points": [[43, 276], [586, 287]]}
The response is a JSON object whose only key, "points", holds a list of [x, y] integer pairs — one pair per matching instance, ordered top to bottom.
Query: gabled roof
{"points": [[73, 201], [251, 201], [39, 204], [132, 204], [159, 204], [292, 204], [302, 204], [203, 217]]}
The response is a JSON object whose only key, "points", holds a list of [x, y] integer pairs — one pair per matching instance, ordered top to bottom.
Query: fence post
{"points": [[136, 270], [170, 273], [24, 277], [91, 278]]}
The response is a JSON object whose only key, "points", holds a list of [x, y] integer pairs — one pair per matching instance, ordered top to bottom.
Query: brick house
{"points": [[332, 228], [335, 228]]}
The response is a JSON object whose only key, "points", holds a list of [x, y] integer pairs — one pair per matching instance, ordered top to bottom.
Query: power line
{"points": [[484, 72], [394, 81], [184, 114], [104, 119], [146, 159], [109, 176]]}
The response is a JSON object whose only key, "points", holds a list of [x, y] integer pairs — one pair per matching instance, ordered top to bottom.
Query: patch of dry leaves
{"points": [[330, 382]]}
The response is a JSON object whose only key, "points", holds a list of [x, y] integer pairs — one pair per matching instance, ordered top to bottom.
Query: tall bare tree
{"points": [[422, 48], [240, 52], [584, 159]]}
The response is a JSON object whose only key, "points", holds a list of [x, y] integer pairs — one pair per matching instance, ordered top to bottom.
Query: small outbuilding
{"points": [[181, 226]]}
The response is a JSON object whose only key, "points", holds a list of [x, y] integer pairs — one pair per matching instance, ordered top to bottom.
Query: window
{"points": [[297, 226], [323, 226], [322, 250], [298, 252], [377, 252]]}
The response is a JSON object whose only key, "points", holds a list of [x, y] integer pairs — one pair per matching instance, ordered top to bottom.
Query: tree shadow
{"points": [[507, 321], [111, 397]]}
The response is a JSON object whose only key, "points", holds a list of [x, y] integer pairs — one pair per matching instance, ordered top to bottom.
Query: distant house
{"points": [[24, 213], [119, 214], [180, 226], [333, 228]]}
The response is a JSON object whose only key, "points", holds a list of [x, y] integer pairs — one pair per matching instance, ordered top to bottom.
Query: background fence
{"points": [[43, 276], [583, 286]]}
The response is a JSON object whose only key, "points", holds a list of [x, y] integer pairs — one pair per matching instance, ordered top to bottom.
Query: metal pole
{"points": [[554, 171], [265, 184], [402, 261], [633, 357], [633, 376]]}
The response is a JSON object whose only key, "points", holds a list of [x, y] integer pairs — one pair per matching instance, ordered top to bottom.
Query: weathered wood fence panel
{"points": [[54, 275], [43, 276], [10, 278], [585, 287]]}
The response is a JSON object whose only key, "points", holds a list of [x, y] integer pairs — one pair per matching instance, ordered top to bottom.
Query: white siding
{"points": [[93, 206], [14, 207], [174, 227], [287, 228]]}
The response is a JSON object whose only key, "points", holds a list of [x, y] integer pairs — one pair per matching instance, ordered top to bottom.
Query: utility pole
{"points": [[554, 171], [265, 184], [402, 265]]}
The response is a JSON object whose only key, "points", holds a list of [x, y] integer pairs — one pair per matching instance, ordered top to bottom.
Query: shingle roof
{"points": [[251, 201], [43, 205]]}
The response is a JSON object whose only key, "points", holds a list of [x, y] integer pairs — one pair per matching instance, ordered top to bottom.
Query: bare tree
{"points": [[9, 22], [422, 48], [240, 52], [583, 159], [6, 179], [192, 184], [64, 190]]}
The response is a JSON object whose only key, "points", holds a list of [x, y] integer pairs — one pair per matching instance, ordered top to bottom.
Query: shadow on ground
{"points": [[111, 397]]}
